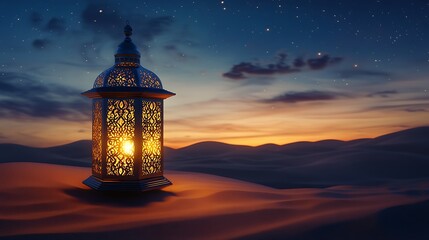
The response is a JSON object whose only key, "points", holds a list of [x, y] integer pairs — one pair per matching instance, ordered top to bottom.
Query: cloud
{"points": [[36, 18], [102, 19], [104, 22], [101, 24], [55, 25], [153, 26], [41, 43], [173, 50], [299, 62], [322, 62], [245, 69], [241, 70], [238, 71], [354, 73], [383, 94], [23, 95], [307, 96], [407, 107], [415, 110]]}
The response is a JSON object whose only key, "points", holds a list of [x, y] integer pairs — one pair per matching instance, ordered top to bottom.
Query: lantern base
{"points": [[130, 186]]}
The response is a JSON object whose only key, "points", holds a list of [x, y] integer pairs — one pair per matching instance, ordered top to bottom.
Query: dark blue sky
{"points": [[247, 72]]}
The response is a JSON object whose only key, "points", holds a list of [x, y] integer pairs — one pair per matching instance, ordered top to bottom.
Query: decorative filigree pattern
{"points": [[127, 74], [121, 77], [149, 79], [99, 81], [120, 135], [96, 136], [152, 136]]}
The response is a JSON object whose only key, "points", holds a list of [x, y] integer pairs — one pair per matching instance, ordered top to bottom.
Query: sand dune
{"points": [[72, 154], [397, 156], [362, 189], [44, 201]]}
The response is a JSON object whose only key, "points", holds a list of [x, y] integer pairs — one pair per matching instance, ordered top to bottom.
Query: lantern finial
{"points": [[128, 31], [127, 51]]}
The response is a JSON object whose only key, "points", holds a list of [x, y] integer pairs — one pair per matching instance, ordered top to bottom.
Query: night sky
{"points": [[245, 72]]}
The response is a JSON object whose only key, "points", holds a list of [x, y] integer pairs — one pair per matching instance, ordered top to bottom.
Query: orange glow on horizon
{"points": [[244, 122], [286, 139]]}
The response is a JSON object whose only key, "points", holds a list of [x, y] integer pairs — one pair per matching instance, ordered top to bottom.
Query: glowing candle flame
{"points": [[128, 147]]}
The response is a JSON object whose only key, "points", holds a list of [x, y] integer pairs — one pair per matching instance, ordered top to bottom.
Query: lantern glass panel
{"points": [[96, 136], [151, 136], [120, 137]]}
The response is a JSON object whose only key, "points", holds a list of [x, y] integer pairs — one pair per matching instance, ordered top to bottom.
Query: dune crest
{"points": [[396, 156]]}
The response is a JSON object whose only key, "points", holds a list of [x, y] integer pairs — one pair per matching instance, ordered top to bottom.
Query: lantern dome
{"points": [[127, 71], [122, 75]]}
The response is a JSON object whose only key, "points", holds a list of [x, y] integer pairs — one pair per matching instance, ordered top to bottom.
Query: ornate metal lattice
{"points": [[121, 77], [149, 79], [99, 81], [120, 132], [96, 136], [152, 136]]}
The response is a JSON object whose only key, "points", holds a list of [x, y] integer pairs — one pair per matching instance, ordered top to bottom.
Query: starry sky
{"points": [[245, 72]]}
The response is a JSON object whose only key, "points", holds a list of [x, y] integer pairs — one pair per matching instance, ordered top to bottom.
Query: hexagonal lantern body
{"points": [[127, 125]]}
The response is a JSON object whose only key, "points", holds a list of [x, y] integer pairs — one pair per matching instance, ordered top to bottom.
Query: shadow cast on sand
{"points": [[119, 199]]}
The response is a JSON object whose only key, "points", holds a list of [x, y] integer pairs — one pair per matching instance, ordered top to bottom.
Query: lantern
{"points": [[127, 125]]}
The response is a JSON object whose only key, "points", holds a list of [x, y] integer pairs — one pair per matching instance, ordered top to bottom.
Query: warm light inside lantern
{"points": [[152, 146], [127, 147]]}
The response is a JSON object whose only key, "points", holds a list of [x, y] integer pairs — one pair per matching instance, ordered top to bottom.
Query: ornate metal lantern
{"points": [[127, 125]]}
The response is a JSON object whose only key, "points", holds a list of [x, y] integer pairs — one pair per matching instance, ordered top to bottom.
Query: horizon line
{"points": [[231, 144]]}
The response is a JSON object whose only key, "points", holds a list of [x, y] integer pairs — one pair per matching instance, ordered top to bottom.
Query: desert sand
{"points": [[46, 201]]}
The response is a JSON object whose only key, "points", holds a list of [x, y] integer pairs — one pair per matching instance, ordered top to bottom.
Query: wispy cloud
{"points": [[102, 19], [99, 21], [55, 25], [42, 43], [176, 53], [322, 62], [245, 70], [357, 72], [384, 94], [23, 95], [307, 96], [407, 107], [415, 110]]}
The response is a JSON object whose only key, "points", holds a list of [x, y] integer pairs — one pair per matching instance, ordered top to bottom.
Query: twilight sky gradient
{"points": [[245, 72]]}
